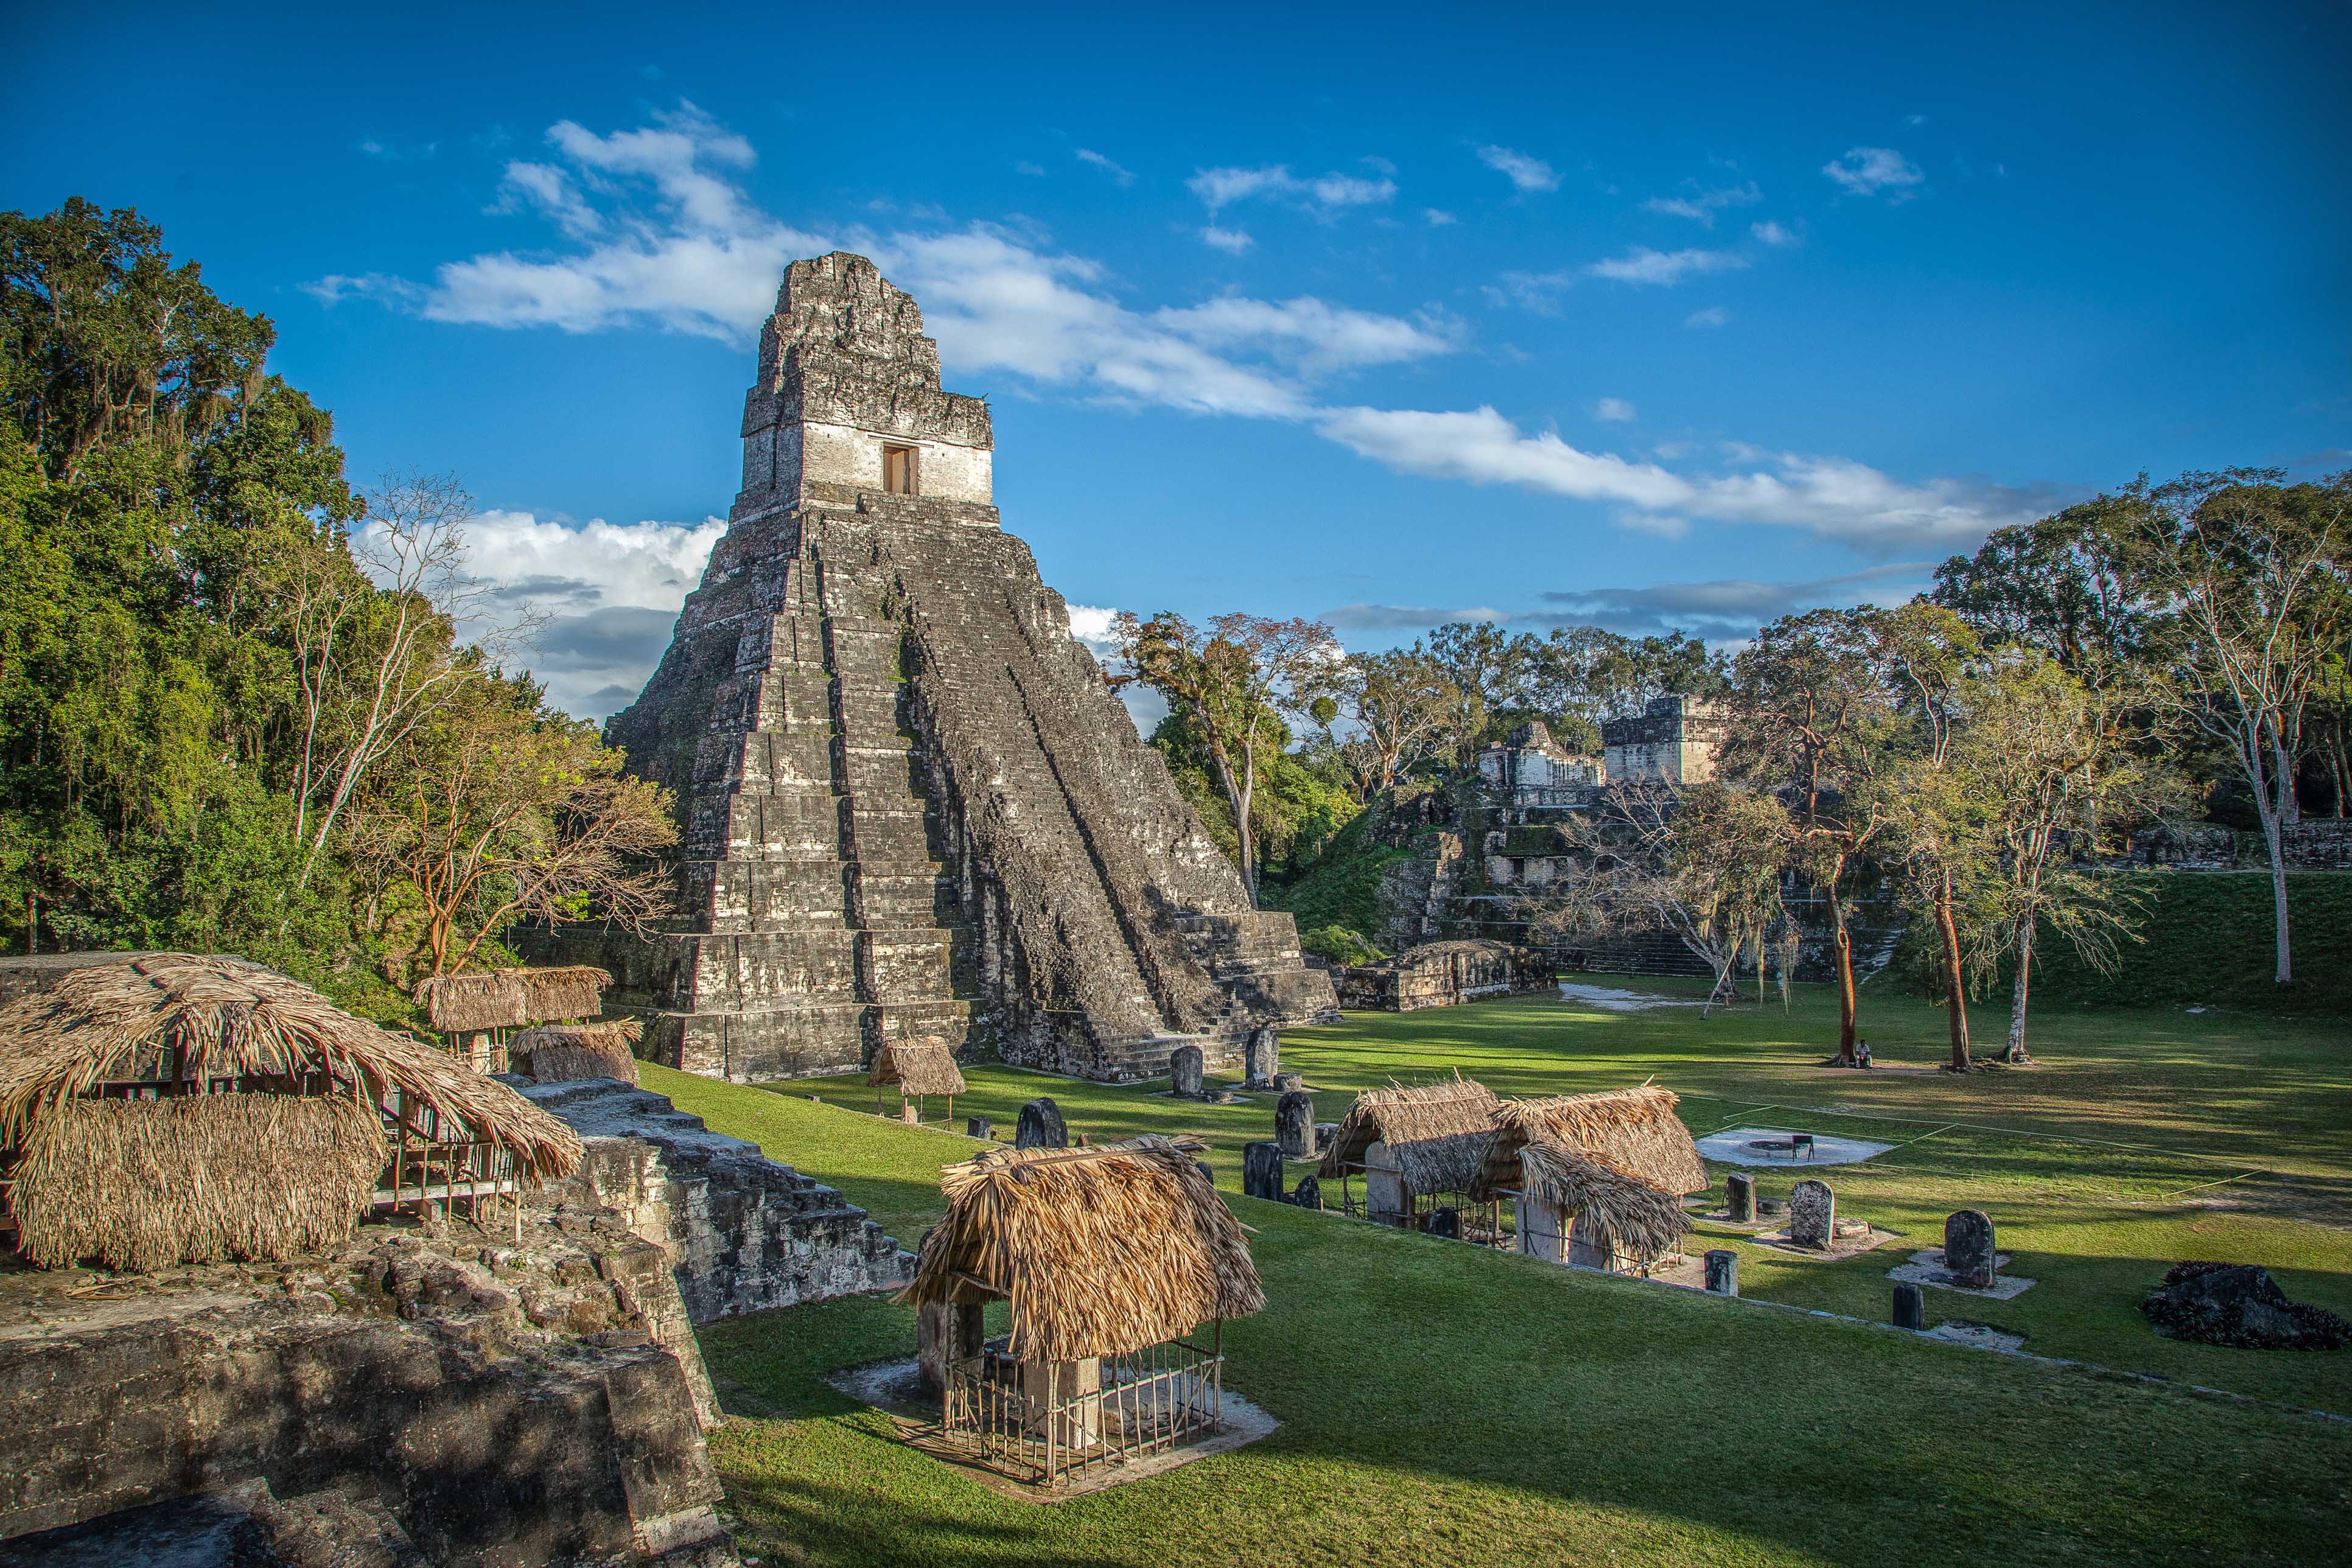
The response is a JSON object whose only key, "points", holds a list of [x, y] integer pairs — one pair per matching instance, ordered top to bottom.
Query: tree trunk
{"points": [[2278, 902], [1842, 943], [1956, 998], [2017, 1053]]}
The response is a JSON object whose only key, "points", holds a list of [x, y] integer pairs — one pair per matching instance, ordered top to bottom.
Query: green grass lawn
{"points": [[1443, 1403]]}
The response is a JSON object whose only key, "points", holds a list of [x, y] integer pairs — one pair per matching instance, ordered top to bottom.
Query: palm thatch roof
{"points": [[510, 998], [176, 1019], [564, 1053], [916, 1067], [1634, 1129], [268, 1130], [1435, 1132], [141, 1185], [1640, 1217], [1103, 1251]]}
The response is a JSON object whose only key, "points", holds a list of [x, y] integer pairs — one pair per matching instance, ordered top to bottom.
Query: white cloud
{"points": [[1915, 119], [1034, 171], [1866, 171], [1526, 173], [1123, 176], [553, 192], [1325, 195], [1700, 204], [1436, 219], [1772, 232], [1233, 241], [696, 256], [1665, 268], [1536, 291], [1713, 316], [1317, 336], [1614, 408], [1833, 498], [609, 594]]}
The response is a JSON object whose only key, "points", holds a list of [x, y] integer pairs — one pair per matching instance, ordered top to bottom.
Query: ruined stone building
{"points": [[1673, 739], [1529, 767], [913, 807]]}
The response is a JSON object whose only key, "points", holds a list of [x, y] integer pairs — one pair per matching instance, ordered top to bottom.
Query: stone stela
{"points": [[912, 807]]}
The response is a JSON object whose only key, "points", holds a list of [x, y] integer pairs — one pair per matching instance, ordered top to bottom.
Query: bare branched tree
{"points": [[2253, 574], [375, 663], [504, 813], [1703, 863]]}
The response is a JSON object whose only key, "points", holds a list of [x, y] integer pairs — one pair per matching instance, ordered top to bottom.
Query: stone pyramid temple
{"points": [[913, 807]]}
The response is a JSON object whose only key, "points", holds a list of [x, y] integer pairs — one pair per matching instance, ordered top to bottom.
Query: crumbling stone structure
{"points": [[1674, 738], [913, 807], [1443, 975], [744, 1233], [454, 1395]]}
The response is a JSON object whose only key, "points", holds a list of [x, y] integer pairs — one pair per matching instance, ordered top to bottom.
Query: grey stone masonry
{"points": [[912, 806], [1184, 1072], [1294, 1125], [1041, 1126], [1262, 1171], [1739, 1196], [1812, 1215], [744, 1233], [1968, 1248], [1723, 1272], [1910, 1306]]}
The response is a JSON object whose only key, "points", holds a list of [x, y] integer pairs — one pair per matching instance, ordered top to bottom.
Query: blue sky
{"points": [[1382, 314]]}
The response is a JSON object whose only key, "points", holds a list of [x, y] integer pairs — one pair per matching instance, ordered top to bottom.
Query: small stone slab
{"points": [[1184, 1066], [1294, 1125], [1041, 1126], [1262, 1172], [1740, 1197], [1812, 1215], [1968, 1249], [1928, 1268], [1982, 1336]]}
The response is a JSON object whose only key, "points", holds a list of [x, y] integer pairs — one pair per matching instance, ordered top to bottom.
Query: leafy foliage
{"points": [[198, 679]]}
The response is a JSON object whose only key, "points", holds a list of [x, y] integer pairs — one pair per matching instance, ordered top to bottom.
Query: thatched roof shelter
{"points": [[510, 998], [564, 1053], [916, 1067], [267, 1127], [1632, 1130], [1435, 1132], [1642, 1218], [1103, 1251]]}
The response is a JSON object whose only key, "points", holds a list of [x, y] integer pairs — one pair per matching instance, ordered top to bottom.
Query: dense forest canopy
{"points": [[230, 682]]}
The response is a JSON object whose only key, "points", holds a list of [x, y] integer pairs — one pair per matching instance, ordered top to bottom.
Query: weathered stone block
{"points": [[1294, 1125], [1041, 1126], [1262, 1172], [1812, 1215], [1968, 1249]]}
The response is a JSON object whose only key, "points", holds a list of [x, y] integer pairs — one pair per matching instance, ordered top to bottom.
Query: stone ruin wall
{"points": [[912, 806], [484, 1399], [477, 1401]]}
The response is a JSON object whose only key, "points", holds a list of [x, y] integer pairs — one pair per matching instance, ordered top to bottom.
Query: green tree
{"points": [[2255, 577], [1233, 682], [1810, 717], [2052, 761], [505, 810]]}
